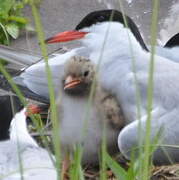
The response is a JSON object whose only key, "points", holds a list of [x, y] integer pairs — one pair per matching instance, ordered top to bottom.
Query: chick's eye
{"points": [[86, 73]]}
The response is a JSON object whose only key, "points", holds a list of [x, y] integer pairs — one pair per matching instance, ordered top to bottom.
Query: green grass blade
{"points": [[5, 32], [137, 89], [150, 90], [54, 119], [76, 172], [119, 172], [103, 175]]}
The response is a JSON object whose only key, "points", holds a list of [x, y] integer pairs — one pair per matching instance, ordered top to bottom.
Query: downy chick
{"points": [[82, 123]]}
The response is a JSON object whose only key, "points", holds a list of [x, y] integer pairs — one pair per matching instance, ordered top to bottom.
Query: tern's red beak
{"points": [[66, 36], [71, 82], [32, 109], [36, 109]]}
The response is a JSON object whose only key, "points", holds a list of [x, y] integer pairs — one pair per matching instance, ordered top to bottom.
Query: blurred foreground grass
{"points": [[110, 168]]}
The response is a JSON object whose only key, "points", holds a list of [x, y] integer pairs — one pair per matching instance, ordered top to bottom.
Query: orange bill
{"points": [[66, 36], [71, 82]]}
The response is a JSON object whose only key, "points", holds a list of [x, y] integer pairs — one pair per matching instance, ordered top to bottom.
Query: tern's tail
{"points": [[19, 57], [5, 85]]}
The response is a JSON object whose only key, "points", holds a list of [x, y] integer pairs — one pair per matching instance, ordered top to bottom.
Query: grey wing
{"points": [[170, 53], [18, 56], [35, 77], [165, 94], [164, 113], [164, 128]]}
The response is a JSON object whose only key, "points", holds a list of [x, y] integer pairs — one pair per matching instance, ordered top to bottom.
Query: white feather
{"points": [[117, 75], [18, 130], [22, 149]]}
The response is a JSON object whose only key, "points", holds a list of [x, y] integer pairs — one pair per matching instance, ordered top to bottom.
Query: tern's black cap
{"points": [[111, 15], [174, 41]]}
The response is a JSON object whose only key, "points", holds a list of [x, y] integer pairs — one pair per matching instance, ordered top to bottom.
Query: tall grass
{"points": [[137, 96], [34, 118], [54, 118], [147, 152], [142, 165], [138, 168]]}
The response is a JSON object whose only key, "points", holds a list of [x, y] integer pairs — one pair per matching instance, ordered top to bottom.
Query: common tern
{"points": [[107, 38], [109, 41], [34, 76], [21, 157]]}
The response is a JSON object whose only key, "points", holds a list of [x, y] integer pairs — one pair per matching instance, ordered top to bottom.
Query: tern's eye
{"points": [[101, 18], [86, 73]]}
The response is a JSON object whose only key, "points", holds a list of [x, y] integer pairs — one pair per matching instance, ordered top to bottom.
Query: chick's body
{"points": [[83, 124]]}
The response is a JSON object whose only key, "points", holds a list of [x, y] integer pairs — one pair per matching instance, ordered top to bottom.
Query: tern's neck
{"points": [[112, 40]]}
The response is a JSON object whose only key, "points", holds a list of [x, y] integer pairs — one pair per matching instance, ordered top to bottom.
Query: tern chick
{"points": [[81, 124]]}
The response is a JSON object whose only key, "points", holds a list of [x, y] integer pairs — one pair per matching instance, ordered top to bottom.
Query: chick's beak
{"points": [[66, 36], [71, 82]]}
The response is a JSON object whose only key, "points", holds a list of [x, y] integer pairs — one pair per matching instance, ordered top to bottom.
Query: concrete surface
{"points": [[57, 15], [60, 15]]}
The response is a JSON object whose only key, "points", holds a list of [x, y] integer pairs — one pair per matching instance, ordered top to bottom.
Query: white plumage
{"points": [[109, 42], [117, 75], [22, 148]]}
